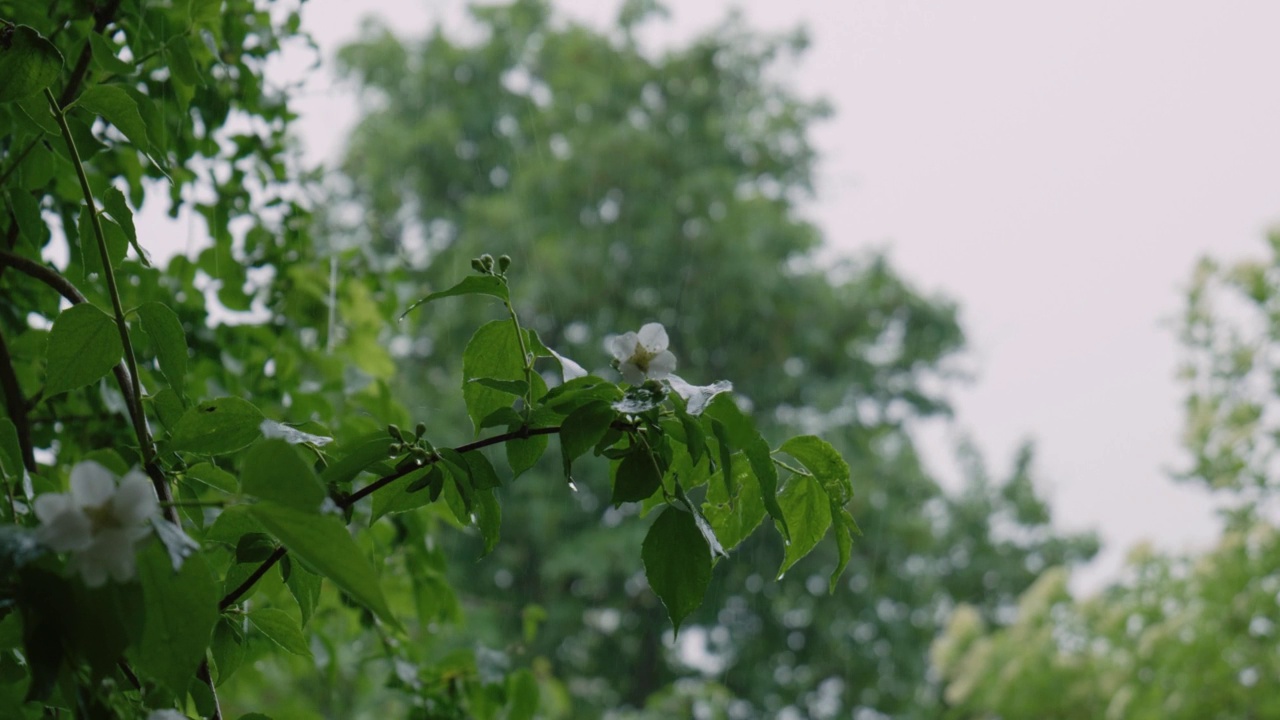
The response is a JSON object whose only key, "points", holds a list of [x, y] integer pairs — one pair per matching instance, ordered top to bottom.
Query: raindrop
{"points": [[572, 485]]}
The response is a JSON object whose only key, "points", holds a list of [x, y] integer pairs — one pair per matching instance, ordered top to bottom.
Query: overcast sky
{"points": [[1056, 168]]}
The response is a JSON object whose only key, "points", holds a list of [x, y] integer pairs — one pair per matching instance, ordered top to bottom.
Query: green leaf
{"points": [[105, 58], [28, 62], [183, 63], [118, 108], [114, 203], [91, 255], [470, 285], [165, 330], [84, 345], [493, 353], [510, 387], [168, 406], [217, 427], [583, 428], [741, 433], [10, 450], [523, 454], [355, 457], [828, 468], [273, 470], [213, 476], [483, 476], [635, 478], [409, 492], [808, 513], [488, 518], [734, 519], [704, 527], [845, 527], [322, 541], [254, 547], [677, 563], [305, 587], [182, 609], [281, 629], [227, 648], [522, 691]]}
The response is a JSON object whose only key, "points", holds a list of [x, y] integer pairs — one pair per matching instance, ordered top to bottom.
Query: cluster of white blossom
{"points": [[99, 523]]}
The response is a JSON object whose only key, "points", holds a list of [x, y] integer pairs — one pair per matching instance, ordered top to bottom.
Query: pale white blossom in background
{"points": [[643, 356], [99, 523], [167, 715]]}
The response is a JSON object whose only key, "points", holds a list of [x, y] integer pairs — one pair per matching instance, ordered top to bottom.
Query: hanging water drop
{"points": [[573, 485]]}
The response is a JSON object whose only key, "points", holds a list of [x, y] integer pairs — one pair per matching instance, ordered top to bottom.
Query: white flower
{"points": [[644, 355], [99, 523], [166, 715]]}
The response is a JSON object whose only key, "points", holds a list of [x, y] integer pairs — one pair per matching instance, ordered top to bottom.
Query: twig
{"points": [[17, 406], [279, 553]]}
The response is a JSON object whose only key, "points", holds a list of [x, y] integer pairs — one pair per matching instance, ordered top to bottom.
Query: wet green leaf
{"points": [[28, 62], [84, 345], [217, 427], [677, 563]]}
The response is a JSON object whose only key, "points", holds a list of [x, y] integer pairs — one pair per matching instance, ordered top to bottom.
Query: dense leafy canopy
{"points": [[666, 186], [314, 558]]}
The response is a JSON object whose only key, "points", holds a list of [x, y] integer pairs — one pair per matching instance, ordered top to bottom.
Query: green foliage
{"points": [[84, 345], [272, 437], [1178, 636]]}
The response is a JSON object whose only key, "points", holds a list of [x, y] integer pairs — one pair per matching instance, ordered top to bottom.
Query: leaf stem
{"points": [[108, 275], [525, 358], [796, 470]]}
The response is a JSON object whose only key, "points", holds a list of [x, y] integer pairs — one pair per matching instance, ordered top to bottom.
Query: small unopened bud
{"points": [[487, 261], [504, 262], [478, 266], [420, 430], [394, 431], [395, 449]]}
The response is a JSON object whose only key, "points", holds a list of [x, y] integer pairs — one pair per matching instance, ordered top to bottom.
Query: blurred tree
{"points": [[665, 186], [1177, 636]]}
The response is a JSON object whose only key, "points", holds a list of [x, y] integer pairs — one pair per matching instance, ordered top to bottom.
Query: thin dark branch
{"points": [[101, 19], [44, 274], [17, 406], [382, 482], [276, 556], [232, 597]]}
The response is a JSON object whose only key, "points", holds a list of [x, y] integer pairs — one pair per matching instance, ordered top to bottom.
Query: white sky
{"points": [[1056, 168]]}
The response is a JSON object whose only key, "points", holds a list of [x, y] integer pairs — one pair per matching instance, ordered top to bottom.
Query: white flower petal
{"points": [[653, 337], [624, 346], [662, 365], [568, 368], [631, 373], [91, 484], [135, 501], [51, 505], [68, 531], [112, 553], [91, 572]]}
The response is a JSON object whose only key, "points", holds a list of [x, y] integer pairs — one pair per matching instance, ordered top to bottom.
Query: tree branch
{"points": [[17, 406], [279, 553]]}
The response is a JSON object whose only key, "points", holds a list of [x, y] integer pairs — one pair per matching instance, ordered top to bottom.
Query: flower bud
{"points": [[487, 261], [504, 262], [478, 266], [420, 430], [394, 431]]}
